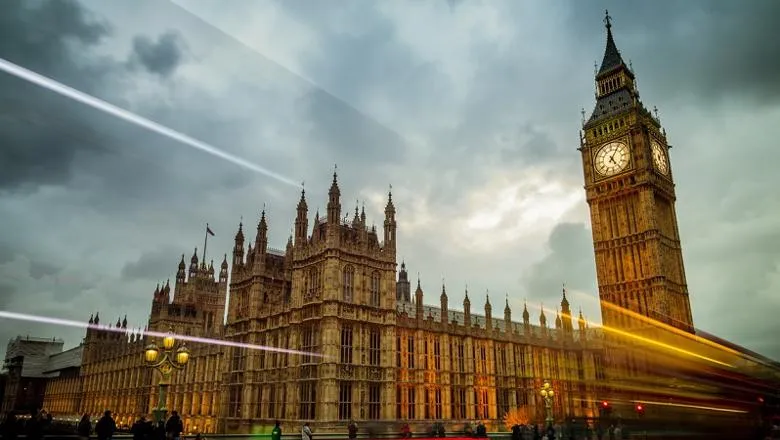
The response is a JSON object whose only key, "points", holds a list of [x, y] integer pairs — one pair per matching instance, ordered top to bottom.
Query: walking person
{"points": [[10, 426], [174, 426], [105, 427], [84, 428], [141, 429], [352, 430], [306, 433]]}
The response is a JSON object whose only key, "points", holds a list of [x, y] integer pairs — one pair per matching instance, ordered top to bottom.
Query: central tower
{"points": [[630, 190]]}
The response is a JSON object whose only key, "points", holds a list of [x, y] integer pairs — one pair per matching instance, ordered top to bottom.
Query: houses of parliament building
{"points": [[367, 346]]}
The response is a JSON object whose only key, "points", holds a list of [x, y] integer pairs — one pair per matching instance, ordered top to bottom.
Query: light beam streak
{"points": [[99, 104], [70, 323]]}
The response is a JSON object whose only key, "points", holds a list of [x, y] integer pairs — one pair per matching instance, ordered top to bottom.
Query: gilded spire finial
{"points": [[607, 19]]}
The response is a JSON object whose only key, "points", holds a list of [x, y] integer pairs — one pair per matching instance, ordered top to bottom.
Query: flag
{"points": [[209, 231]]}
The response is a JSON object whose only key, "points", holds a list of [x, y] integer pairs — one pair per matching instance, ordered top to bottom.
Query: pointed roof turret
{"points": [[612, 58], [334, 185], [302, 206], [390, 207], [262, 225], [240, 233], [194, 259], [224, 263], [182, 265], [506, 307], [526, 315], [542, 317], [91, 318], [124, 322]]}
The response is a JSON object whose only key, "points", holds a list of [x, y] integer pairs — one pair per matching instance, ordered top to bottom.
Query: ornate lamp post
{"points": [[165, 361], [547, 394]]}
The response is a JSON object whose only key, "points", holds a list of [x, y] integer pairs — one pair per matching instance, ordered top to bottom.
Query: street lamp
{"points": [[165, 361], [547, 394]]}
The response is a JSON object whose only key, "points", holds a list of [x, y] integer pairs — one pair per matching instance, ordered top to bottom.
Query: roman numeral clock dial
{"points": [[612, 158], [659, 158]]}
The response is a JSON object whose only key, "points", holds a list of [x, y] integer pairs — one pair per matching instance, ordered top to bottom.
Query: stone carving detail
{"points": [[347, 372], [375, 374]]}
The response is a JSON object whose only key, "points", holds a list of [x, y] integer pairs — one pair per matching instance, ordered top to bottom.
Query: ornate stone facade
{"points": [[375, 355], [113, 374]]}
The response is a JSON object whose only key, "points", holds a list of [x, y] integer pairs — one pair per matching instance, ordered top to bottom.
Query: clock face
{"points": [[659, 157], [612, 158]]}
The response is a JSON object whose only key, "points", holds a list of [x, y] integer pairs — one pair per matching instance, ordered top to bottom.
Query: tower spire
{"points": [[612, 56]]}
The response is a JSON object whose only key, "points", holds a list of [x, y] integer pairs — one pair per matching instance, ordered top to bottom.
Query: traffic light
{"points": [[606, 408], [640, 409]]}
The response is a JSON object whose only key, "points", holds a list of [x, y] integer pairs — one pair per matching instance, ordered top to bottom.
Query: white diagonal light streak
{"points": [[99, 104], [5, 314]]}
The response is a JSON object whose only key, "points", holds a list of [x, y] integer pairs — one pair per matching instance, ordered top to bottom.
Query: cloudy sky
{"points": [[470, 109]]}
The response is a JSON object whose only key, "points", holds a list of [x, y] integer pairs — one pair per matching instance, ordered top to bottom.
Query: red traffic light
{"points": [[605, 404], [640, 408]]}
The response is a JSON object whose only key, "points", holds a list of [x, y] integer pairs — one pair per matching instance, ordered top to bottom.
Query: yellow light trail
{"points": [[659, 344], [683, 405]]}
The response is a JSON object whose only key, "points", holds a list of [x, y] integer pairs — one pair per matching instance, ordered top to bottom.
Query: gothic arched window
{"points": [[349, 284], [374, 290]]}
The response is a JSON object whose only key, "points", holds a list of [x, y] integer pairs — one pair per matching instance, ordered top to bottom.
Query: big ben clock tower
{"points": [[630, 190]]}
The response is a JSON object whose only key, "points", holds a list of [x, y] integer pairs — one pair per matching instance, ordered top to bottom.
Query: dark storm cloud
{"points": [[47, 36], [710, 50], [160, 57], [325, 120], [337, 126], [39, 134], [46, 136], [529, 143], [6, 253], [570, 261], [154, 265], [40, 269], [7, 291]]}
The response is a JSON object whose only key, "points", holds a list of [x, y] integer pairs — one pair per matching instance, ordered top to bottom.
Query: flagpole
{"points": [[205, 242]]}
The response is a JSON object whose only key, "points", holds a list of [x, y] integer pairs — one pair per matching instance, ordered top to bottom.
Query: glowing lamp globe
{"points": [[168, 341], [151, 353], [182, 355], [551, 393]]}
